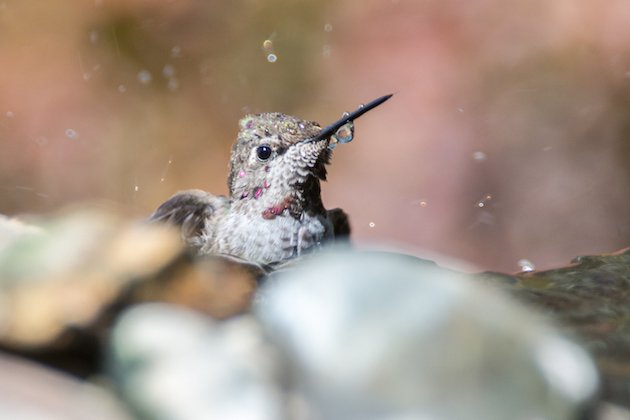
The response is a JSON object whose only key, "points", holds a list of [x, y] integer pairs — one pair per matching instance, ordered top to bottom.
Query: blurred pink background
{"points": [[507, 137]]}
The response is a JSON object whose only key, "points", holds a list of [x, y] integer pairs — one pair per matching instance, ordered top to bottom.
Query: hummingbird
{"points": [[274, 211]]}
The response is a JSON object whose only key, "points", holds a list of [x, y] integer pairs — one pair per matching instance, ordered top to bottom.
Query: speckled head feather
{"points": [[290, 160]]}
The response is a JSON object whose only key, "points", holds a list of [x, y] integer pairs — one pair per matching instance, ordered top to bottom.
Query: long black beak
{"points": [[332, 128]]}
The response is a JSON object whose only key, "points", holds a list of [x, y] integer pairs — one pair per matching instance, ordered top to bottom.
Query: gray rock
{"points": [[65, 273], [63, 284], [590, 299], [383, 336], [173, 363], [29, 391]]}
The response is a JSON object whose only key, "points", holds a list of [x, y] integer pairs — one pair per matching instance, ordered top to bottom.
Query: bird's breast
{"points": [[269, 237]]}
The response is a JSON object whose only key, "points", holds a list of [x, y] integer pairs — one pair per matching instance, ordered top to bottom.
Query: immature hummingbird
{"points": [[274, 211]]}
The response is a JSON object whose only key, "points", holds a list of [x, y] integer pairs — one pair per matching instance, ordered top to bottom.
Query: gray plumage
{"points": [[274, 211]]}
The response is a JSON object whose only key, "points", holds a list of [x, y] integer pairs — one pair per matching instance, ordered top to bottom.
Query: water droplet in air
{"points": [[328, 27], [94, 36], [268, 45], [176, 51], [326, 51], [272, 58], [168, 71], [87, 76], [144, 77], [173, 84], [122, 88], [460, 109], [9, 114], [71, 134], [41, 141], [479, 156], [136, 188], [484, 201], [421, 203], [372, 224], [526, 265]]}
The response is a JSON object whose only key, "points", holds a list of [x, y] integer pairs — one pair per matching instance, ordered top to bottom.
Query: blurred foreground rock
{"points": [[63, 282], [590, 299], [340, 335], [355, 335], [378, 336], [172, 363], [28, 391]]}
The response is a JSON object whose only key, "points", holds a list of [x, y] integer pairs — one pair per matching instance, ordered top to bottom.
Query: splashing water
{"points": [[94, 36], [267, 46], [326, 50], [176, 51], [168, 71], [144, 77], [173, 84], [71, 134], [345, 134], [479, 156], [165, 170], [485, 201], [526, 265]]}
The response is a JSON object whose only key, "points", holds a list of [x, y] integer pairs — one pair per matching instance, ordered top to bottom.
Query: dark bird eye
{"points": [[263, 152]]}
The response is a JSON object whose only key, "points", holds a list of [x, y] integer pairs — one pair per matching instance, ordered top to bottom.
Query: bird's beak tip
{"points": [[362, 109]]}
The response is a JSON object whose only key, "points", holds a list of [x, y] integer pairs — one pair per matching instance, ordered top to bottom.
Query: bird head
{"points": [[270, 151], [277, 154]]}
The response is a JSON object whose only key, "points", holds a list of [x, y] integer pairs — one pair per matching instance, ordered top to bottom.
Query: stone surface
{"points": [[67, 273], [64, 280], [589, 299], [344, 334], [375, 336], [172, 363], [31, 392]]}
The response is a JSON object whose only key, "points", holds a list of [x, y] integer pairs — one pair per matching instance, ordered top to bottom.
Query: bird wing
{"points": [[194, 211], [340, 222]]}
